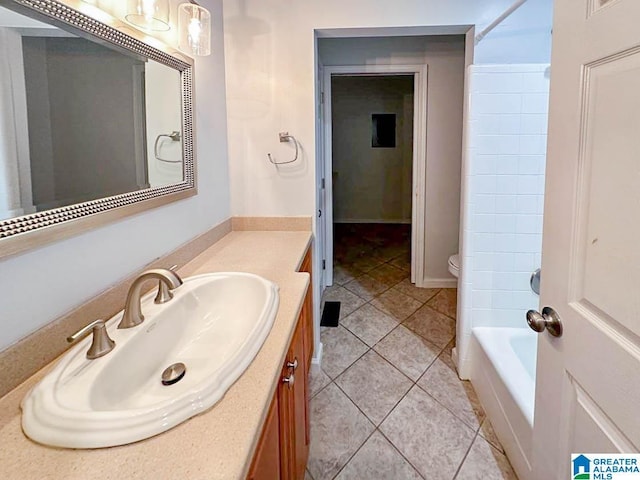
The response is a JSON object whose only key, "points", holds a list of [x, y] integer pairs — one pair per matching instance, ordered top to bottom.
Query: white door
{"points": [[588, 380]]}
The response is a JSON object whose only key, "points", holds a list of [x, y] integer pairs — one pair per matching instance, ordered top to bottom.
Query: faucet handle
{"points": [[164, 294], [101, 343]]}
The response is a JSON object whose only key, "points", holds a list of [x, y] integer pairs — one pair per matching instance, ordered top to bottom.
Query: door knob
{"points": [[549, 320]]}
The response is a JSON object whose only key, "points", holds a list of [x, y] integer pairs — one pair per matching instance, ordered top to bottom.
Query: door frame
{"points": [[325, 161]]}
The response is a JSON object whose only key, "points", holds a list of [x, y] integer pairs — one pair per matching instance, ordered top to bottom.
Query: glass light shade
{"points": [[148, 14], [194, 29]]}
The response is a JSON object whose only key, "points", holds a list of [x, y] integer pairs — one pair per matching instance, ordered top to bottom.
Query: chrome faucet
{"points": [[132, 315], [101, 343]]}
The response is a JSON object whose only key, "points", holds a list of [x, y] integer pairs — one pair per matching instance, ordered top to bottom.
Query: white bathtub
{"points": [[503, 373]]}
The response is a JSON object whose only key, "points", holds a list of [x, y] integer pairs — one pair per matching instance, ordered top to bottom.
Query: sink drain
{"points": [[173, 373]]}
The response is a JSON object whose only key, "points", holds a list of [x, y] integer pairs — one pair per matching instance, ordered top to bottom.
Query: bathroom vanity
{"points": [[258, 430], [283, 448]]}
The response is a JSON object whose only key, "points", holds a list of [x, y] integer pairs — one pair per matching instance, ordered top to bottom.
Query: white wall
{"points": [[270, 52], [445, 57], [371, 184], [504, 192], [38, 286]]}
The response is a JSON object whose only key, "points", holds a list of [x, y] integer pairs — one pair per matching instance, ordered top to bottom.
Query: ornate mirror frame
{"points": [[26, 232]]}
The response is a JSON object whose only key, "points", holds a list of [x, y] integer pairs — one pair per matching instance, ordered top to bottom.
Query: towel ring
{"points": [[175, 137], [285, 137]]}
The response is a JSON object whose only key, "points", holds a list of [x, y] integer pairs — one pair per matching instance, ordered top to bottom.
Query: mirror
{"points": [[93, 123]]}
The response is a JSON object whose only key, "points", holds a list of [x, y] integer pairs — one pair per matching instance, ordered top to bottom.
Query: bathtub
{"points": [[503, 373]]}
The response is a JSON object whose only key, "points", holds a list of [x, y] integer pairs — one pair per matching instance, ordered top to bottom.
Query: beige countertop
{"points": [[217, 444]]}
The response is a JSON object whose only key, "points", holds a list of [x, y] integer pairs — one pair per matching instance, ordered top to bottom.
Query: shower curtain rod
{"points": [[499, 20]]}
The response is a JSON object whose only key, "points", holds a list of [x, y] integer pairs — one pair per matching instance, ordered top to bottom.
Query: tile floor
{"points": [[387, 402]]}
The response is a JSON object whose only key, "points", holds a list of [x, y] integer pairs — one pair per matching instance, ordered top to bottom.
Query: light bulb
{"points": [[194, 29]]}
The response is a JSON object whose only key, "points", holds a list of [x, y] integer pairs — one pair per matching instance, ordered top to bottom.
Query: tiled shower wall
{"points": [[503, 196]]}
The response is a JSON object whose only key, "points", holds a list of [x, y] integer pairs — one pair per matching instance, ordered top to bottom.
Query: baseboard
{"points": [[372, 220], [438, 283], [317, 357]]}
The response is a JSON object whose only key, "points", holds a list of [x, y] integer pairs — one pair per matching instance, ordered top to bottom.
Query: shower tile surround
{"points": [[503, 193], [387, 402]]}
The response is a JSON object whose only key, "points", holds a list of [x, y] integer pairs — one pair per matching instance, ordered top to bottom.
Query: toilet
{"points": [[454, 264]]}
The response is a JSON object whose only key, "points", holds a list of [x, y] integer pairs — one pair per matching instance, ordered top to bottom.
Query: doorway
{"points": [[374, 153], [371, 174]]}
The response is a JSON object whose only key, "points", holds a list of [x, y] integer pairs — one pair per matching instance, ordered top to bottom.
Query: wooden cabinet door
{"points": [[307, 310], [293, 410], [266, 463]]}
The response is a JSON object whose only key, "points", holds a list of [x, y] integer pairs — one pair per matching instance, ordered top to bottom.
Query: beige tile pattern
{"points": [[388, 254], [402, 261], [366, 263], [343, 274], [388, 274], [366, 287], [420, 294], [349, 301], [445, 302], [396, 304], [369, 324], [433, 326], [340, 349], [407, 351], [399, 375], [317, 380], [442, 383], [374, 386], [338, 429], [489, 434], [428, 435], [378, 460], [484, 462]]}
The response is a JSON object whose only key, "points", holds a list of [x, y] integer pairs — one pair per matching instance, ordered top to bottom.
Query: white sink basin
{"points": [[215, 325]]}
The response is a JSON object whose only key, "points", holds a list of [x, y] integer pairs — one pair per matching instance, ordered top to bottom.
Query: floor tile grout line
{"points": [[375, 296], [422, 303], [425, 338], [372, 348], [439, 349], [351, 364], [325, 386], [442, 404], [394, 405], [464, 422], [377, 428], [356, 452], [400, 452], [464, 458]]}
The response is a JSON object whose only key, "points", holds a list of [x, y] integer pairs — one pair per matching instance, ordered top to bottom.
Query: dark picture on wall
{"points": [[383, 130]]}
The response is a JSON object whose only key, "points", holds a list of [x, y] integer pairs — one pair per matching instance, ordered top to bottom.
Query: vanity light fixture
{"points": [[151, 15], [194, 29]]}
